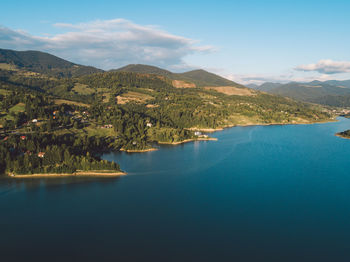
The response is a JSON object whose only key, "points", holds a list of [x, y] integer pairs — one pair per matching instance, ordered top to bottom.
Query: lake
{"points": [[259, 193]]}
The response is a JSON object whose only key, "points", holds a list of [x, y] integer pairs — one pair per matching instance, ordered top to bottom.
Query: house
{"points": [[35, 121], [149, 124], [23, 137], [5, 138], [41, 154]]}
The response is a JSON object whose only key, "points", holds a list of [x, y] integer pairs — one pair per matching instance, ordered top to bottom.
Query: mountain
{"points": [[43, 63], [144, 69], [195, 78], [344, 83], [252, 86], [266, 87], [333, 92]]}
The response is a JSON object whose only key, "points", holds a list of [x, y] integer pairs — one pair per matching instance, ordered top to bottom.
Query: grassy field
{"points": [[8, 67], [83, 89], [4, 92], [132, 96], [68, 102], [20, 107], [98, 131]]}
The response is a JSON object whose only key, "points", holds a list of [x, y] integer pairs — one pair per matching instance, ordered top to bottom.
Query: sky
{"points": [[247, 41]]}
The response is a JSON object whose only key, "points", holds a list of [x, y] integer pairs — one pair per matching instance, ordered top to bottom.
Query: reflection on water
{"points": [[8, 185], [263, 193]]}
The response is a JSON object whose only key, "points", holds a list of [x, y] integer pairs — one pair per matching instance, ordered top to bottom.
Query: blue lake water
{"points": [[260, 193]]}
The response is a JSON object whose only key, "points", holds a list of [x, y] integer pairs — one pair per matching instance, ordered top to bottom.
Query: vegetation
{"points": [[43, 63], [200, 78], [332, 93], [59, 125], [345, 134]]}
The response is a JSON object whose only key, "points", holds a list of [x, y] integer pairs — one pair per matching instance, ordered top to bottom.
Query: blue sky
{"points": [[247, 41]]}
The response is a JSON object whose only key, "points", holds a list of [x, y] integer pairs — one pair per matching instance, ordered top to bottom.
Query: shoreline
{"points": [[212, 130], [341, 136], [188, 140], [138, 150], [76, 174]]}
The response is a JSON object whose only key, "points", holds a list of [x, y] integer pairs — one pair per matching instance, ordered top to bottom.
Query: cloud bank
{"points": [[108, 44], [326, 67], [323, 70]]}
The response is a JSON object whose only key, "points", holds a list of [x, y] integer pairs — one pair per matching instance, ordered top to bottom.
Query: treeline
{"points": [[50, 153]]}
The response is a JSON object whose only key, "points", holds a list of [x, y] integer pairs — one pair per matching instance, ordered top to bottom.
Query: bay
{"points": [[259, 193]]}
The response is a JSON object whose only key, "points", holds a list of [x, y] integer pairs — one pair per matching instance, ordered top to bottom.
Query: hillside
{"points": [[43, 63], [200, 78], [333, 93], [60, 125]]}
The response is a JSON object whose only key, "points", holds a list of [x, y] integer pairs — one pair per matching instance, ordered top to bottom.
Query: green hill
{"points": [[44, 63], [144, 69], [200, 78], [334, 93], [60, 125]]}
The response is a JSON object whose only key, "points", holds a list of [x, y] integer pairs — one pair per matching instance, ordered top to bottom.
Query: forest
{"points": [[62, 124]]}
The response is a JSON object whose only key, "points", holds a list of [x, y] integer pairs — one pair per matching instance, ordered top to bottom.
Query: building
{"points": [[41, 154]]}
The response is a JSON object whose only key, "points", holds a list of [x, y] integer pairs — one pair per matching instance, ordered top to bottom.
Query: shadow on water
{"points": [[8, 185]]}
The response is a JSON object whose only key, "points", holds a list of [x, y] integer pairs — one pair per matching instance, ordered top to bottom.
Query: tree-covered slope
{"points": [[44, 63], [200, 78], [333, 93], [70, 120]]}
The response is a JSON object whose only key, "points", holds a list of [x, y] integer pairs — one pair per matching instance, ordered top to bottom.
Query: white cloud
{"points": [[108, 44], [326, 67], [259, 79]]}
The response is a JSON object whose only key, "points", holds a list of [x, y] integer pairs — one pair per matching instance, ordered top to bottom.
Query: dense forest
{"points": [[61, 124]]}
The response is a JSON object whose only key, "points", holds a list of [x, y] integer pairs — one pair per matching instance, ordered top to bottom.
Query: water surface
{"points": [[260, 193]]}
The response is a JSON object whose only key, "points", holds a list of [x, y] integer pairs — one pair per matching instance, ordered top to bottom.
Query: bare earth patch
{"points": [[183, 84], [231, 90], [133, 97], [68, 102], [151, 106]]}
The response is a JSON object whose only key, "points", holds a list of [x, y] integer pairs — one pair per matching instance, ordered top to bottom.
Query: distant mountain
{"points": [[44, 63], [198, 78], [345, 83], [252, 86], [266, 87], [333, 92]]}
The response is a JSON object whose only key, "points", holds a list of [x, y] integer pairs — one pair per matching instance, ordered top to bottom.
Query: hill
{"points": [[43, 63], [144, 69], [198, 78], [333, 92], [60, 125]]}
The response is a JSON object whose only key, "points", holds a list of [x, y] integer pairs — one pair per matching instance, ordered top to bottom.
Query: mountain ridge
{"points": [[44, 63], [199, 77], [331, 92]]}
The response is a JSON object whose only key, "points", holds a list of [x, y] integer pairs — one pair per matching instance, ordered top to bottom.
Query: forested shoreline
{"points": [[60, 124]]}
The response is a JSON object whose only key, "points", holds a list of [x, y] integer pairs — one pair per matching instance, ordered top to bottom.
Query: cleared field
{"points": [[8, 67], [182, 84], [83, 89], [230, 90], [4, 92], [133, 97], [68, 102], [20, 107], [98, 131]]}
